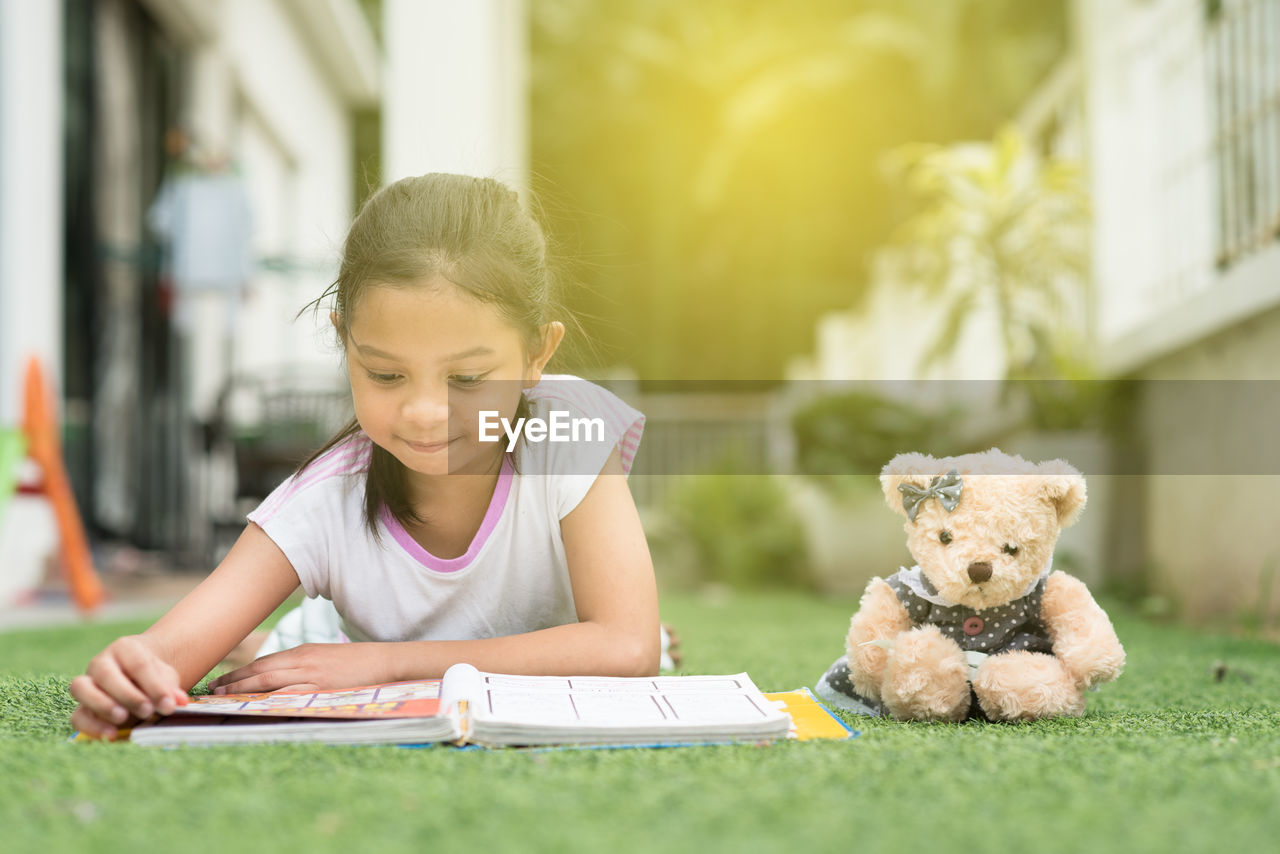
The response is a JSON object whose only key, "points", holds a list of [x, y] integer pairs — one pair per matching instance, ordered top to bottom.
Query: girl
{"points": [[435, 543]]}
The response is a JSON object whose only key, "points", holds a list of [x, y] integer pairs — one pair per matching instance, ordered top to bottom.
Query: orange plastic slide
{"points": [[43, 445]]}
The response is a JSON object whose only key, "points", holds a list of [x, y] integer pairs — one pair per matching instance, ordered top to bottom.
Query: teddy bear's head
{"points": [[983, 526]]}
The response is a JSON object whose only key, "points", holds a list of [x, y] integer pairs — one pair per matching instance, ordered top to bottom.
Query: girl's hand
{"points": [[310, 667], [141, 675], [127, 682]]}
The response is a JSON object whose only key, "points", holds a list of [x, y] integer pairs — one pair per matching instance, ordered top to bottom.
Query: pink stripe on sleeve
{"points": [[593, 399], [621, 419], [348, 458], [318, 471]]}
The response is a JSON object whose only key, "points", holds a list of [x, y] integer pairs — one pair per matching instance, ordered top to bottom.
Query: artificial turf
{"points": [[1182, 753]]}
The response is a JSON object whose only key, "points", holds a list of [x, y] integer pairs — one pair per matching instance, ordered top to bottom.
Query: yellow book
{"points": [[809, 718]]}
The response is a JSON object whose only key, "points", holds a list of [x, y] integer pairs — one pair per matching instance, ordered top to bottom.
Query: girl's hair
{"points": [[471, 232]]}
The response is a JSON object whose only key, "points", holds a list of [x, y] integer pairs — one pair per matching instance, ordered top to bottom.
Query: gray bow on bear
{"points": [[946, 488]]}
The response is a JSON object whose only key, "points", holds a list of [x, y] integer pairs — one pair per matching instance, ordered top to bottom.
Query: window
{"points": [[1244, 82]]}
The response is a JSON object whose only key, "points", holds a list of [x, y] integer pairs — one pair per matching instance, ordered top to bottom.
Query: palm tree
{"points": [[1002, 229]]}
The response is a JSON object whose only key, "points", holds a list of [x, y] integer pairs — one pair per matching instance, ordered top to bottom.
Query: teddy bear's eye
{"points": [[944, 537], [1010, 549]]}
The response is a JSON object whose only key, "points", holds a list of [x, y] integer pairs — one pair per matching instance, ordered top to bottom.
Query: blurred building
{"points": [[1183, 138], [177, 175], [176, 180]]}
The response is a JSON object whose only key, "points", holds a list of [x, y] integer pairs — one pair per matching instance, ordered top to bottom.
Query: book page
{"points": [[462, 682], [418, 698], [622, 703]]}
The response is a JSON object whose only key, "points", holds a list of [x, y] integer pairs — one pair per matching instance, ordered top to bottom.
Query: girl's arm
{"points": [[613, 590], [138, 675]]}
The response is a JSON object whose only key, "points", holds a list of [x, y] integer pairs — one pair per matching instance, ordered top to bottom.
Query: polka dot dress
{"points": [[1008, 627]]}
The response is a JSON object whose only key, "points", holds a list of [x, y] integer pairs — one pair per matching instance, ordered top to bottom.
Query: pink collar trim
{"points": [[415, 550]]}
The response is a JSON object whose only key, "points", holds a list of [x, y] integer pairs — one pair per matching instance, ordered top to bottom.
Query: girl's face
{"points": [[424, 360]]}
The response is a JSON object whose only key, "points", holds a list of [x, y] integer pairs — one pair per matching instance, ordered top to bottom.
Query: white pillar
{"points": [[456, 89], [210, 111], [30, 196]]}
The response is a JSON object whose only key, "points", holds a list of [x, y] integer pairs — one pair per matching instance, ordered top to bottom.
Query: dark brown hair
{"points": [[471, 232]]}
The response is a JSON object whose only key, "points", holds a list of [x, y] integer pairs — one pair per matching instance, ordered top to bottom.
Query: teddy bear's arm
{"points": [[880, 616], [1082, 636]]}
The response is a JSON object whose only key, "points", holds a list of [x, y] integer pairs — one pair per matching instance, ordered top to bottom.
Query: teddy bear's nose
{"points": [[980, 572]]}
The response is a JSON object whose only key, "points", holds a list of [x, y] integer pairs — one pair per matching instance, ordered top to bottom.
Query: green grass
{"points": [[1168, 758]]}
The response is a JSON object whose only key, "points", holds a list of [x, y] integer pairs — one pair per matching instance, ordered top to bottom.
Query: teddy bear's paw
{"points": [[879, 618], [1083, 638], [926, 678], [1024, 686]]}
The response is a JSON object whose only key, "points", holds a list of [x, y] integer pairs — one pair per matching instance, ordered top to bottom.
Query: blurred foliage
{"points": [[372, 10], [366, 131], [713, 165], [1002, 228], [1075, 401], [856, 433], [737, 530]]}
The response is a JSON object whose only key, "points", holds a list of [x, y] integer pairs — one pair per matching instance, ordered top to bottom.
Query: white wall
{"points": [[456, 89], [1149, 147], [30, 195], [30, 252]]}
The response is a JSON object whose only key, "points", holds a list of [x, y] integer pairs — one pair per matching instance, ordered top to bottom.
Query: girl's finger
{"points": [[285, 659], [253, 668], [108, 677], [156, 679], [274, 680], [97, 702], [90, 725]]}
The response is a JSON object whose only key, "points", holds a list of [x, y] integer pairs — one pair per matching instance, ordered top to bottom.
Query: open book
{"points": [[490, 709]]}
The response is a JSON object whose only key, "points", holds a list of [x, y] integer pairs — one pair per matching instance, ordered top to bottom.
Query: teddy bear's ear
{"points": [[916, 469], [1064, 487]]}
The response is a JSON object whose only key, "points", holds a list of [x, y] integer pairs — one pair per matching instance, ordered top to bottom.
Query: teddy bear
{"points": [[981, 626]]}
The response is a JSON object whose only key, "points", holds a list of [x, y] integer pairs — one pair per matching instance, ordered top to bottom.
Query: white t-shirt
{"points": [[512, 579]]}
